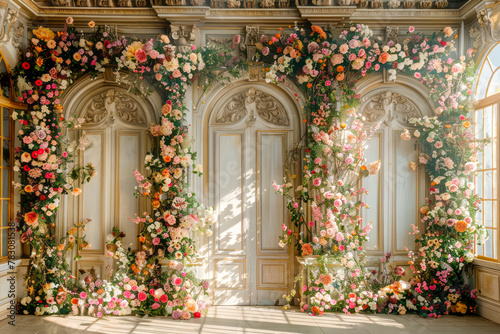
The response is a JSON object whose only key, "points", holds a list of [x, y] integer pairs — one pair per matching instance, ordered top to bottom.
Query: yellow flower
{"points": [[92, 24], [45, 34], [132, 49], [39, 62], [466, 124], [461, 308]]}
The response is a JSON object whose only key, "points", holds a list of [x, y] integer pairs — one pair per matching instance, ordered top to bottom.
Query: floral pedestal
{"points": [[308, 263]]}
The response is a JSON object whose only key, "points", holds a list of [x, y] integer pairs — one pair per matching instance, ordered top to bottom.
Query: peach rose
{"points": [[384, 56]]}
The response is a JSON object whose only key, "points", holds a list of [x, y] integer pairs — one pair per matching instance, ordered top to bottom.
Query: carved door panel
{"points": [[115, 130], [249, 136], [395, 194]]}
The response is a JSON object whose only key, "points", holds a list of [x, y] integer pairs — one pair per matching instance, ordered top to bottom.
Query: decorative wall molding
{"points": [[252, 103], [110, 105], [389, 107]]}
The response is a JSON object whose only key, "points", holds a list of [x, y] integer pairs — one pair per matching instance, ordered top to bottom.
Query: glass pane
{"points": [[494, 56], [483, 82], [494, 84], [6, 88], [495, 120], [6, 122], [487, 122], [479, 123], [6, 153], [488, 157], [6, 183], [479, 184], [488, 184], [495, 185], [5, 213], [495, 213], [488, 215], [479, 216], [4, 242], [488, 245], [479, 250]]}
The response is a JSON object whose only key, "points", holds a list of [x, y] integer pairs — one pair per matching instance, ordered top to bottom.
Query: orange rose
{"points": [[384, 56], [340, 68], [340, 76], [166, 109], [31, 218], [461, 226], [306, 250], [315, 310]]}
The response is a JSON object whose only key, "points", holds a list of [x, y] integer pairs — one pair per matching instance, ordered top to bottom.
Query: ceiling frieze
{"points": [[433, 18]]}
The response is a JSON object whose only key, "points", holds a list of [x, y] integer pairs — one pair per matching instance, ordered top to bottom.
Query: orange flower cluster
{"points": [[319, 31], [461, 226]]}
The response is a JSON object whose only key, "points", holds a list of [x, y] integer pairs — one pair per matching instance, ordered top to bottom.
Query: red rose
{"points": [[106, 43], [443, 43], [26, 65], [38, 82], [40, 151], [34, 154], [26, 168], [43, 198], [197, 315]]}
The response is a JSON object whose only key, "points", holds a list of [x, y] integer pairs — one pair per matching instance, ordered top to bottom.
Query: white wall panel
{"points": [[230, 193], [93, 199], [373, 199], [405, 200], [126, 204], [272, 205]]}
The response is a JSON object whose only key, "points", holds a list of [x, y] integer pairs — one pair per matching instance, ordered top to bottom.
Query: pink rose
{"points": [[142, 296]]}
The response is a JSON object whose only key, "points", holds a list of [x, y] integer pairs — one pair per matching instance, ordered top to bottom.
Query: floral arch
{"points": [[324, 208]]}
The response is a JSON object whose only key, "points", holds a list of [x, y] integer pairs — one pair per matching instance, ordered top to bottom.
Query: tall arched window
{"points": [[486, 109], [6, 151]]}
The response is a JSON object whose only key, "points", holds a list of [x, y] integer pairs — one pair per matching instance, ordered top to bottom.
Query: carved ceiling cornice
{"points": [[319, 14]]}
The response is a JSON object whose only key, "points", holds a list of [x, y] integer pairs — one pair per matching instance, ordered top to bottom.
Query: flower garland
{"points": [[52, 62], [327, 65], [327, 68]]}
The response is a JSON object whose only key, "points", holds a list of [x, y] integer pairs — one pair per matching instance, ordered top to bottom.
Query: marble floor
{"points": [[261, 320]]}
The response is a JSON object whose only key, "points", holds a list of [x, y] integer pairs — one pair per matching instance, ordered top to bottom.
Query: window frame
{"points": [[489, 102], [11, 105]]}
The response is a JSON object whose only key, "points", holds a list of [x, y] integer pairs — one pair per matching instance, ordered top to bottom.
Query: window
{"points": [[486, 117], [6, 178]]}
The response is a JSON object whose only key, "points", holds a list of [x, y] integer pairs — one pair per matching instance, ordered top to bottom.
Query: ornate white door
{"points": [[115, 128], [250, 132], [396, 193]]}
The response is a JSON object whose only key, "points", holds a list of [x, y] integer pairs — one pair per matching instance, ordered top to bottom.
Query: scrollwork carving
{"points": [[253, 103], [107, 106], [389, 107]]}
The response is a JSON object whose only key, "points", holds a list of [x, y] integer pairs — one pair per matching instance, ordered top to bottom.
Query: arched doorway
{"points": [[115, 128], [249, 128], [398, 191]]}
